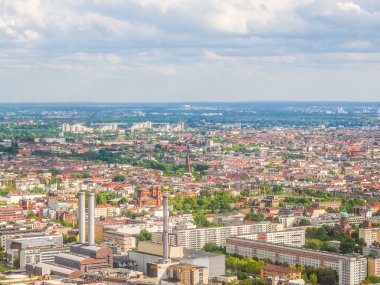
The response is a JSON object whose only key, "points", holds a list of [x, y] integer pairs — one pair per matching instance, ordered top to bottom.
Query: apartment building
{"points": [[106, 211], [11, 213], [370, 235], [197, 238], [294, 238], [126, 241], [373, 266], [351, 269]]}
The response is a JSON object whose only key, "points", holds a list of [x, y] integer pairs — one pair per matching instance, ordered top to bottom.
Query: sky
{"points": [[189, 50]]}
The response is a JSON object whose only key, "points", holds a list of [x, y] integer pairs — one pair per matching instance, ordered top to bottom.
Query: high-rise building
{"points": [[65, 128]]}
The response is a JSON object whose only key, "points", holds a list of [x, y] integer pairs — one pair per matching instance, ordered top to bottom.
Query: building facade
{"points": [[291, 237], [197, 238], [126, 241], [351, 269]]}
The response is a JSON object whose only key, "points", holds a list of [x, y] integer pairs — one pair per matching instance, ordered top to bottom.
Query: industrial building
{"points": [[25, 248], [83, 256], [173, 264]]}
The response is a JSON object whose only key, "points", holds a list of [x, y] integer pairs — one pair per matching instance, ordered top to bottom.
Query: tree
{"points": [[54, 172], [118, 178], [265, 188], [277, 189], [245, 193], [101, 198], [130, 214], [31, 215], [252, 216], [200, 220], [304, 222], [144, 235], [71, 239], [313, 243], [347, 246], [213, 247], [16, 263], [324, 275], [305, 278], [313, 279], [371, 280]]}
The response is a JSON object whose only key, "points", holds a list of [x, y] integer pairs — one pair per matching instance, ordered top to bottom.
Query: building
{"points": [[141, 126], [187, 164], [152, 197], [15, 199], [106, 210], [11, 213], [10, 231], [370, 235], [290, 237], [197, 238], [126, 241], [15, 247], [36, 255], [83, 256], [373, 266], [351, 269], [272, 270], [186, 274]]}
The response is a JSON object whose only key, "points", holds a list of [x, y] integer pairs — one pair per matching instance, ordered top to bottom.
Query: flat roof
{"points": [[72, 256]]}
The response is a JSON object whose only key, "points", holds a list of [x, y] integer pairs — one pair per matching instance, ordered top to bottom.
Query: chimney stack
{"points": [[82, 217], [91, 219], [165, 230]]}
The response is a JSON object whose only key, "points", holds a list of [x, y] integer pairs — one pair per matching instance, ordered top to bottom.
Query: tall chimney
{"points": [[82, 217], [91, 219], [165, 230]]}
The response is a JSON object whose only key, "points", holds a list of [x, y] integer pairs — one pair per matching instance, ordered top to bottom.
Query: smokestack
{"points": [[82, 217], [91, 219], [165, 230]]}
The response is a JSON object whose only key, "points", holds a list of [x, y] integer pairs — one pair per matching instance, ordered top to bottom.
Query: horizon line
{"points": [[186, 102]]}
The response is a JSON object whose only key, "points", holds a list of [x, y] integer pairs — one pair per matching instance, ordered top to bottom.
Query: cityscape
{"points": [[190, 142], [216, 193]]}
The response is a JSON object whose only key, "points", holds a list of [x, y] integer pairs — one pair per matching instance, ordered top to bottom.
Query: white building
{"points": [[291, 237], [197, 238], [351, 269]]}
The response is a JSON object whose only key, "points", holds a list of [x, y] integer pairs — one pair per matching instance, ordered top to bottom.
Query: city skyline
{"points": [[188, 51]]}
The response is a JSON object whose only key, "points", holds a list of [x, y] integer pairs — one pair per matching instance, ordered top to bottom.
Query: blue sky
{"points": [[189, 50]]}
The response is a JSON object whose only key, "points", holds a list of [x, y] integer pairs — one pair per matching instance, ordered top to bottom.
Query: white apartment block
{"points": [[106, 211], [197, 238], [294, 238], [351, 269]]}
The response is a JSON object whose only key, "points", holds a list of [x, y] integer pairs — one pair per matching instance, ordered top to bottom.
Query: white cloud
{"points": [[349, 7], [148, 39]]}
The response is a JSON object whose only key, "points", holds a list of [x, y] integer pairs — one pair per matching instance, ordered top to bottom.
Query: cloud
{"points": [[349, 7], [158, 40]]}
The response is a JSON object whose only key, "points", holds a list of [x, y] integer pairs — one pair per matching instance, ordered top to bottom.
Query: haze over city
{"points": [[189, 50]]}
